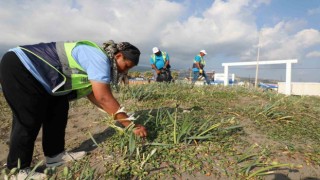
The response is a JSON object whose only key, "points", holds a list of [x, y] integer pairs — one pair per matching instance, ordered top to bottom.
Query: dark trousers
{"points": [[32, 107]]}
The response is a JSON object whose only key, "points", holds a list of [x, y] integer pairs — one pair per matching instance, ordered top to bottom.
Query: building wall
{"points": [[301, 88]]}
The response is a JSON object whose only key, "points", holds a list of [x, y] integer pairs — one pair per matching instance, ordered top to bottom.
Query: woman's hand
{"points": [[103, 98], [140, 130]]}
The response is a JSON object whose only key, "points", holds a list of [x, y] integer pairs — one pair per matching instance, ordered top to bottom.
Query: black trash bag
{"points": [[164, 76]]}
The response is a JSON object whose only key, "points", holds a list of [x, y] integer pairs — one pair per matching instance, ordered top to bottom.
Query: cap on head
{"points": [[155, 50], [203, 51]]}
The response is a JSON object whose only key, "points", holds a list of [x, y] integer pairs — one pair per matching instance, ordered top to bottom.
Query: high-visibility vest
{"points": [[164, 57], [202, 62], [61, 71]]}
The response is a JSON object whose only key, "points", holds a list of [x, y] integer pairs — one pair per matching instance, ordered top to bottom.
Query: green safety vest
{"points": [[164, 57], [202, 62], [75, 79], [79, 80]]}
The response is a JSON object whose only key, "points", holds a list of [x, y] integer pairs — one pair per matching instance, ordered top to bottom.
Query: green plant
{"points": [[257, 164]]}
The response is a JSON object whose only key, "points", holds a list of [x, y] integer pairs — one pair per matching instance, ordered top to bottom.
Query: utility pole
{"points": [[257, 66]]}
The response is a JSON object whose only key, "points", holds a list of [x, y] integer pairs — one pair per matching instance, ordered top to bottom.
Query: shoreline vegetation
{"points": [[200, 132]]}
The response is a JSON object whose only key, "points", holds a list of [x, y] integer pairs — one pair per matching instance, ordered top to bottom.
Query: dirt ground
{"points": [[85, 119], [81, 122], [307, 170]]}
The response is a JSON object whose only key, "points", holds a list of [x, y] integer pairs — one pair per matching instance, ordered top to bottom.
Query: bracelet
{"points": [[121, 110]]}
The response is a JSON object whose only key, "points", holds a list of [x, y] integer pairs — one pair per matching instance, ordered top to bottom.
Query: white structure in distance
{"points": [[288, 69], [220, 78]]}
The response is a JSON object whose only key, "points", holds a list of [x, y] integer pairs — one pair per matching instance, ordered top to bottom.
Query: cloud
{"points": [[314, 11], [38, 20], [147, 23], [226, 29], [285, 41], [313, 54]]}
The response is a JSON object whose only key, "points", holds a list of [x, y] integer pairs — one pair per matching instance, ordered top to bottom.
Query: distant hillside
{"points": [[141, 68], [183, 73]]}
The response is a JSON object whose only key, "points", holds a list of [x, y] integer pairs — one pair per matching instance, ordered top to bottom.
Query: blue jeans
{"points": [[196, 75]]}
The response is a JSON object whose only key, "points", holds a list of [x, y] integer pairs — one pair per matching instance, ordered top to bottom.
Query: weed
{"points": [[200, 130]]}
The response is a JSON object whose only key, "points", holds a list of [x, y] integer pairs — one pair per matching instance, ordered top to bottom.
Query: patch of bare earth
{"points": [[279, 152]]}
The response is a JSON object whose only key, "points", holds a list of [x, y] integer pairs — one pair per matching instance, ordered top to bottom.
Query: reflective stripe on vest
{"points": [[164, 57], [202, 62], [74, 77], [79, 78]]}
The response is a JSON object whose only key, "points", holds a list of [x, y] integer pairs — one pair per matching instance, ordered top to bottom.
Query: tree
{"points": [[134, 74], [148, 75], [175, 75]]}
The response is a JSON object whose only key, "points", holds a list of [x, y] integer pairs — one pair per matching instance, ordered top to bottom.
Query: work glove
{"points": [[200, 71]]}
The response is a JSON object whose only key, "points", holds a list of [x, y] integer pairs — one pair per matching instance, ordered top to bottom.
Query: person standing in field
{"points": [[160, 62], [198, 67], [39, 80]]}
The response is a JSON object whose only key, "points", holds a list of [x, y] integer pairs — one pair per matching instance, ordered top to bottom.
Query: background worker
{"points": [[160, 62], [198, 67], [39, 80]]}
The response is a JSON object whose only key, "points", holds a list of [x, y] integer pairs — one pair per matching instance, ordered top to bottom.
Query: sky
{"points": [[229, 30]]}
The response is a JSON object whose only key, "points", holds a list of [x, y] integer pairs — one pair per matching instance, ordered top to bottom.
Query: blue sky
{"points": [[278, 10], [227, 29]]}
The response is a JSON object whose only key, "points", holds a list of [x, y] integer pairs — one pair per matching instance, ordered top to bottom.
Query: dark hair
{"points": [[128, 50]]}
